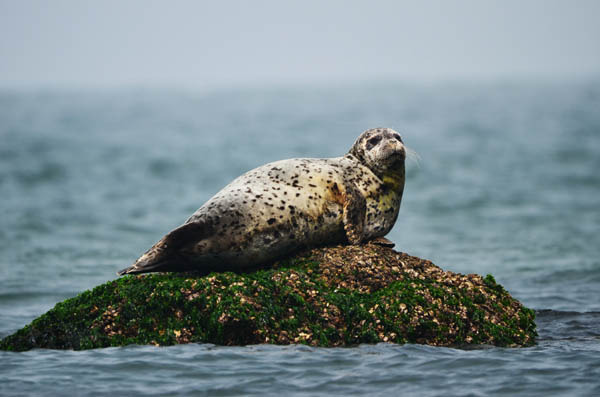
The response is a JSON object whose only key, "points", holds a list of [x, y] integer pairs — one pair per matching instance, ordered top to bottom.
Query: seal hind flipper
{"points": [[165, 255], [144, 267]]}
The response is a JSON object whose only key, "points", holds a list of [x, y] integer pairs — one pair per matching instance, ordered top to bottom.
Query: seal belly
{"points": [[282, 237], [264, 240]]}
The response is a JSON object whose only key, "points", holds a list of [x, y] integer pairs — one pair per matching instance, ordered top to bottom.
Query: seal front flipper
{"points": [[353, 216], [382, 241], [165, 255]]}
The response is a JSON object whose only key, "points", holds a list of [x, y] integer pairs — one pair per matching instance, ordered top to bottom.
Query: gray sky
{"points": [[230, 43]]}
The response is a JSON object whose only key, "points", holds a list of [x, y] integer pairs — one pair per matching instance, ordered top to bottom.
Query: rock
{"points": [[332, 296]]}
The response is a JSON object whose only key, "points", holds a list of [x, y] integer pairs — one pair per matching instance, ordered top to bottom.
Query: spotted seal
{"points": [[288, 205]]}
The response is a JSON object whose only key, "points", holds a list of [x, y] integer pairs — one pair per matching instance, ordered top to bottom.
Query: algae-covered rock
{"points": [[334, 296]]}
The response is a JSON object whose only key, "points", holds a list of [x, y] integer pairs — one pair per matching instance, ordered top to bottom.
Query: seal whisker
{"points": [[412, 156]]}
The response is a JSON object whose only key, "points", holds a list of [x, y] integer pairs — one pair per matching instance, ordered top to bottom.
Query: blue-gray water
{"points": [[508, 183]]}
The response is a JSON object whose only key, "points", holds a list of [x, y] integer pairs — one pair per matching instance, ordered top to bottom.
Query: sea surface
{"points": [[507, 182]]}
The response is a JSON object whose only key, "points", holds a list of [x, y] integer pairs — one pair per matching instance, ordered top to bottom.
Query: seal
{"points": [[288, 205]]}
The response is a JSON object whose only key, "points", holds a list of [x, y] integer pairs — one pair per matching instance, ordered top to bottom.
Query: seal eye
{"points": [[398, 138], [373, 141]]}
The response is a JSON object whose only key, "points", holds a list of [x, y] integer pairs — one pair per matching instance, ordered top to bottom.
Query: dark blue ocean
{"points": [[508, 183]]}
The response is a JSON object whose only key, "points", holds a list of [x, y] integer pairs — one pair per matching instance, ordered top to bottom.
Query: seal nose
{"points": [[395, 148]]}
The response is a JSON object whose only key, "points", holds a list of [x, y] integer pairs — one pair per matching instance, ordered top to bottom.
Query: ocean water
{"points": [[507, 183]]}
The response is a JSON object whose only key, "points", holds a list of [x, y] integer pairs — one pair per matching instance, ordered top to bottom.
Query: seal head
{"points": [[381, 150]]}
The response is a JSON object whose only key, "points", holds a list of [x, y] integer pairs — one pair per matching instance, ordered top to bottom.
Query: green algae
{"points": [[337, 296]]}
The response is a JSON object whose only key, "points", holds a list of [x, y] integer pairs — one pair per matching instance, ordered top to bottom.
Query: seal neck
{"points": [[394, 179]]}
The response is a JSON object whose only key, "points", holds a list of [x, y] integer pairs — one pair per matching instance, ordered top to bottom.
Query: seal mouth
{"points": [[397, 154], [402, 154], [397, 157], [397, 161]]}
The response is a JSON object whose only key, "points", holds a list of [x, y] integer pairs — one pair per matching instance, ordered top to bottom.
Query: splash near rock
{"points": [[332, 296]]}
